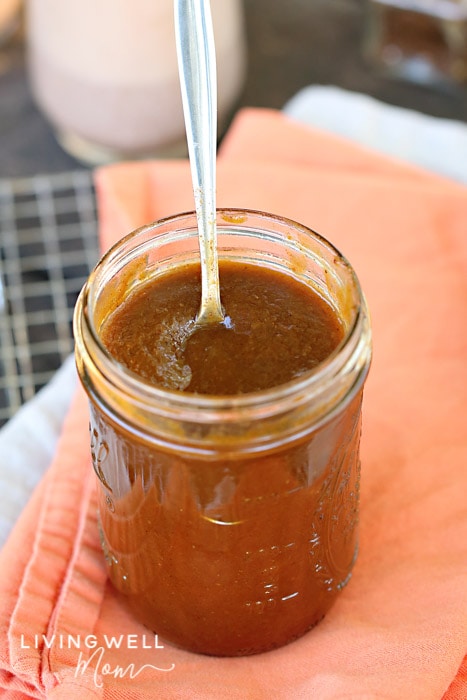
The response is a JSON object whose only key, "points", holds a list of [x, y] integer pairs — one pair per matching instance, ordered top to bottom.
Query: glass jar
{"points": [[10, 15], [422, 41], [105, 74], [229, 522]]}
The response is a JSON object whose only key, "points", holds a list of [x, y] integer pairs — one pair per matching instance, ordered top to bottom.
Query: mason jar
{"points": [[421, 41], [229, 522]]}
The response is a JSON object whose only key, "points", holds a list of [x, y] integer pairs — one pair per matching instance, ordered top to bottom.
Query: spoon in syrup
{"points": [[198, 81]]}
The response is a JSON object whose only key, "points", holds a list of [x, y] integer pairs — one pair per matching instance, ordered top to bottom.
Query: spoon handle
{"points": [[198, 80]]}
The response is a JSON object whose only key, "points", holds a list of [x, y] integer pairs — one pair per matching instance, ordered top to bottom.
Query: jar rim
{"points": [[218, 407]]}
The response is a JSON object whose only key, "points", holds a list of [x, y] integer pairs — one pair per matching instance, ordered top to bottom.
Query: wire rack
{"points": [[48, 245]]}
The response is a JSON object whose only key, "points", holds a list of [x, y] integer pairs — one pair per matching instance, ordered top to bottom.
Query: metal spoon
{"points": [[197, 68]]}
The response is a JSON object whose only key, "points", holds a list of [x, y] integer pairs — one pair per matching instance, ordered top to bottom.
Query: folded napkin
{"points": [[399, 629]]}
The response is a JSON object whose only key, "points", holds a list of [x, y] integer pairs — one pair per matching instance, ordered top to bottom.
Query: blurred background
{"points": [[353, 44], [410, 54]]}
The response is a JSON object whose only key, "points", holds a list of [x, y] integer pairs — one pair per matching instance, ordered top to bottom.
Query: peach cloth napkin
{"points": [[399, 630]]}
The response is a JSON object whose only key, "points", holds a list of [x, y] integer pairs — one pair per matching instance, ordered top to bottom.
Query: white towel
{"points": [[435, 144]]}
